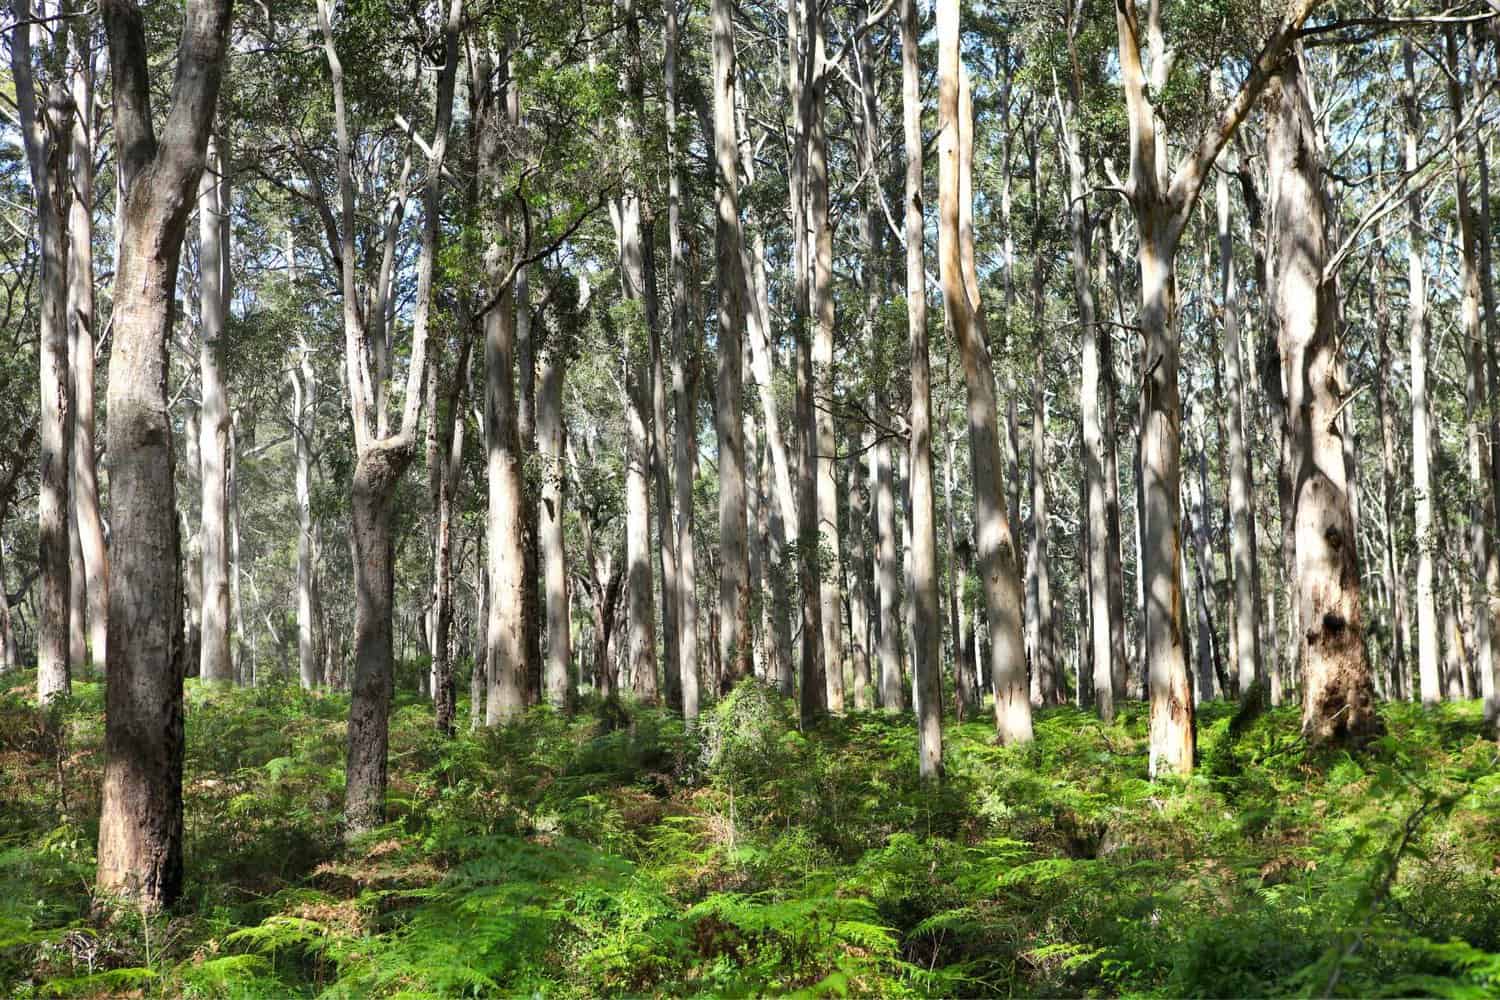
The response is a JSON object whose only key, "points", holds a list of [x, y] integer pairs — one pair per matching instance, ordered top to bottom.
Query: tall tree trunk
{"points": [[46, 134], [823, 380], [684, 405], [304, 418], [550, 431], [382, 457], [450, 471], [86, 513], [783, 513], [1096, 543], [997, 550], [1486, 562], [1245, 565], [734, 578], [855, 581], [927, 632], [505, 638], [215, 663], [1044, 665], [1428, 668], [1489, 684], [892, 694], [1339, 696], [966, 697], [140, 821]]}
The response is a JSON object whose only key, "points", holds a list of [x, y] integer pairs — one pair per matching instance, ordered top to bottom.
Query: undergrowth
{"points": [[616, 853]]}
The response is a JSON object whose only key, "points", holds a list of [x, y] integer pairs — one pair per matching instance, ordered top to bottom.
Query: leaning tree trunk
{"points": [[997, 551], [1339, 695], [140, 821]]}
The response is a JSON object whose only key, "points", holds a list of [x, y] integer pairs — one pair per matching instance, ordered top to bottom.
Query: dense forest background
{"points": [[707, 498]]}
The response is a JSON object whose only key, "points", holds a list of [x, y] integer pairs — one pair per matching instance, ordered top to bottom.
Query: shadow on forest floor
{"points": [[571, 857]]}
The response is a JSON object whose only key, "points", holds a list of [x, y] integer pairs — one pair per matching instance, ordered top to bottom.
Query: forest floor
{"points": [[615, 854]]}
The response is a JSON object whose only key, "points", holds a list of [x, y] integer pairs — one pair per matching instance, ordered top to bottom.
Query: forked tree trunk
{"points": [[1339, 696], [140, 822]]}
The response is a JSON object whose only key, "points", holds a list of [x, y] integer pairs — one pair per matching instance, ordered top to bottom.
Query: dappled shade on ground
{"points": [[618, 854]]}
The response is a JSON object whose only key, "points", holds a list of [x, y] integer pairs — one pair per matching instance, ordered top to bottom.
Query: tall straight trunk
{"points": [[46, 134], [640, 337], [525, 354], [824, 380], [684, 405], [304, 417], [550, 431], [450, 447], [661, 477], [1390, 505], [783, 512], [86, 513], [755, 516], [1096, 543], [997, 550], [1114, 560], [1486, 562], [1244, 564], [858, 565], [734, 578], [640, 604], [927, 631], [505, 634], [215, 663], [1209, 665], [1044, 666], [1428, 668], [243, 671], [479, 676], [1489, 683], [892, 694], [966, 696], [1339, 696], [140, 821]]}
